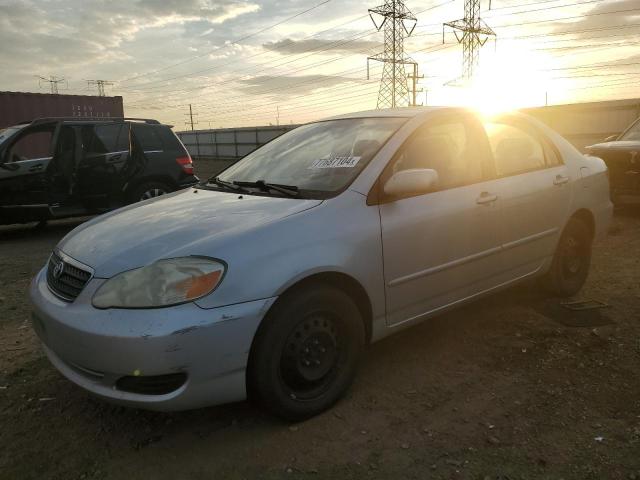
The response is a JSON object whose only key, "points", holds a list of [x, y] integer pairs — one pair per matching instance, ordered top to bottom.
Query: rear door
{"points": [[161, 155], [101, 172], [534, 187], [441, 247]]}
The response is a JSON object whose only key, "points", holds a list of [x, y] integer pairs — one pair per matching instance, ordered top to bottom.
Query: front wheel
{"points": [[571, 261], [305, 354]]}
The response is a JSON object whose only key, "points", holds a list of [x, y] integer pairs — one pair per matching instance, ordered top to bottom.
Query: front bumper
{"points": [[95, 348]]}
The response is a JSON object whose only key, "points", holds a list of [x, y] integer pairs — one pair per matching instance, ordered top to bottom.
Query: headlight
{"points": [[163, 283]]}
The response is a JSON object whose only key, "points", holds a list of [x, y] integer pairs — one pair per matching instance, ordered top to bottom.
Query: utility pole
{"points": [[398, 23], [472, 32], [414, 78], [52, 81], [100, 84], [278, 115], [192, 123]]}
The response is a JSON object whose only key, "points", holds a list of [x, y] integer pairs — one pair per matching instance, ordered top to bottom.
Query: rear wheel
{"points": [[149, 190], [571, 261], [305, 354]]}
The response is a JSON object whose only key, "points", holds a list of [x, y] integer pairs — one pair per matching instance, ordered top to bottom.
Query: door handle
{"points": [[114, 158], [35, 168], [560, 180], [486, 198]]}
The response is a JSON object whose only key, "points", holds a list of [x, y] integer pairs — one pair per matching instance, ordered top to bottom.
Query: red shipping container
{"points": [[18, 107]]}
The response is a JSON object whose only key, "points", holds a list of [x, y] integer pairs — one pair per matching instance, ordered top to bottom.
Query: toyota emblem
{"points": [[58, 270]]}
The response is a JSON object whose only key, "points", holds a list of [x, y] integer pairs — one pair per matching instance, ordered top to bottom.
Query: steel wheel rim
{"points": [[152, 193], [572, 258], [311, 356]]}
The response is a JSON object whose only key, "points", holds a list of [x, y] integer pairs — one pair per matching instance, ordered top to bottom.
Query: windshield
{"points": [[8, 132], [633, 133], [320, 159]]}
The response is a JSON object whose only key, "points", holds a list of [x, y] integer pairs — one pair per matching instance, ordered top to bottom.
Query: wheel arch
{"points": [[135, 183], [586, 216], [344, 282]]}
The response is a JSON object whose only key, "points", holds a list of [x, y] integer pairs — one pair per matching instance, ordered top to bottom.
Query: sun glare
{"points": [[507, 79]]}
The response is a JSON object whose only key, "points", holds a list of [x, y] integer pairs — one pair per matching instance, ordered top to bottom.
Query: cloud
{"points": [[597, 17], [289, 46], [288, 85]]}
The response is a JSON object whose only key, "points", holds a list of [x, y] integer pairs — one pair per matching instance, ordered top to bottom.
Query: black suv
{"points": [[621, 153], [62, 167]]}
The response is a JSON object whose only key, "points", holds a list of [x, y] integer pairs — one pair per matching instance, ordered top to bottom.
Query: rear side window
{"points": [[147, 137], [155, 137], [100, 139], [169, 139], [515, 151]]}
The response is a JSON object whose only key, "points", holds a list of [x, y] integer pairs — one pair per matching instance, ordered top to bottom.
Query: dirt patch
{"points": [[507, 388]]}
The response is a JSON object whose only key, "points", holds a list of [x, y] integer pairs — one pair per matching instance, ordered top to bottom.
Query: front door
{"points": [[23, 176], [440, 247]]}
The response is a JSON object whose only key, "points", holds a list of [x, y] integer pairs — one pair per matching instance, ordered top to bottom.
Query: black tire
{"points": [[148, 190], [571, 261], [306, 351]]}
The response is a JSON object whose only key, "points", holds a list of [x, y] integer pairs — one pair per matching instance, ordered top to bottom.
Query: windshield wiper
{"points": [[230, 185], [290, 190]]}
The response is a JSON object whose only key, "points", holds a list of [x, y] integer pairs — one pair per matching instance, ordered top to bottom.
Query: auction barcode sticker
{"points": [[344, 161]]}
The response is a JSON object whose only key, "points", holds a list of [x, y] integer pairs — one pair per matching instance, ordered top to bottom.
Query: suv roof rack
{"points": [[93, 119]]}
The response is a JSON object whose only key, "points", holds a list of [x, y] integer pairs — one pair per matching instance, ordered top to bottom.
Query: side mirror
{"points": [[611, 138], [414, 181]]}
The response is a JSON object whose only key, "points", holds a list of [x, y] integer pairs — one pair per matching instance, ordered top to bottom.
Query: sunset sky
{"points": [[241, 63]]}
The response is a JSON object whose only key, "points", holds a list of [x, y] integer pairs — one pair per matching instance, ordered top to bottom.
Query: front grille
{"points": [[64, 279], [153, 385]]}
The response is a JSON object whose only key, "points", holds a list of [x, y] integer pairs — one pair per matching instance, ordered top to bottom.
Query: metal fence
{"points": [[584, 124], [229, 143]]}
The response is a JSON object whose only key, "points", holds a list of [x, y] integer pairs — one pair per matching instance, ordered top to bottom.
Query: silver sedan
{"points": [[270, 279]]}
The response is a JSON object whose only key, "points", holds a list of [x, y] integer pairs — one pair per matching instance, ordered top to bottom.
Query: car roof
{"points": [[406, 112], [36, 121]]}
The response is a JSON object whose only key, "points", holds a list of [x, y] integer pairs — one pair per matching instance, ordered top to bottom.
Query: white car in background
{"points": [[271, 278]]}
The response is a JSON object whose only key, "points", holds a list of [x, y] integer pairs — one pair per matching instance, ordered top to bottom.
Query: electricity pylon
{"points": [[398, 23], [473, 33], [52, 81], [100, 84]]}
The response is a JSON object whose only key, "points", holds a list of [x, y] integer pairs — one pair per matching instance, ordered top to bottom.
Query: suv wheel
{"points": [[149, 190], [305, 354]]}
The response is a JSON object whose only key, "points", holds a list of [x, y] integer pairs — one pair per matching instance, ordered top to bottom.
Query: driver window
{"points": [[34, 144], [444, 147]]}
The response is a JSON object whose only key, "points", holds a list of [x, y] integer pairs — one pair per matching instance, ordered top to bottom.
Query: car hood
{"points": [[617, 145], [189, 222]]}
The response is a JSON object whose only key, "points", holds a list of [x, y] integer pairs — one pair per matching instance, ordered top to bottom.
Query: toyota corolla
{"points": [[269, 280]]}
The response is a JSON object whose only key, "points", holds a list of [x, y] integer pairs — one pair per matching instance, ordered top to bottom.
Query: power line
{"points": [[556, 19], [289, 86]]}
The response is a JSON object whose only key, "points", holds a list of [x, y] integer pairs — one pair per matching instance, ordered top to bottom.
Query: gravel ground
{"points": [[511, 387]]}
